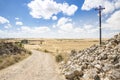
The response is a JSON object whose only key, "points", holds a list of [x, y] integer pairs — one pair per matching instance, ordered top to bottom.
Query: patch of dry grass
{"points": [[11, 53], [7, 60]]}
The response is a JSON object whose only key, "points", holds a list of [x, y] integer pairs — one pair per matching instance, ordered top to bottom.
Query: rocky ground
{"points": [[95, 63]]}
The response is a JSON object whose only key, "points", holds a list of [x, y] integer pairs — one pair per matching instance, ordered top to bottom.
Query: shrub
{"points": [[24, 41], [19, 44], [46, 51], [73, 52], [59, 58]]}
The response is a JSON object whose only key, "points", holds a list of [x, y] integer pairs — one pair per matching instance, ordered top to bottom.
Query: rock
{"points": [[104, 57], [95, 63], [84, 66], [98, 66], [117, 66], [107, 67], [78, 73], [90, 74], [115, 75], [69, 76], [106, 78]]}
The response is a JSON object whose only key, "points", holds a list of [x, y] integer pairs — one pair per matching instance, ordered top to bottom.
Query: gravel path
{"points": [[39, 66]]}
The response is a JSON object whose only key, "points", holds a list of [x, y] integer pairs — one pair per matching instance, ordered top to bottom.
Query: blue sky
{"points": [[58, 18]]}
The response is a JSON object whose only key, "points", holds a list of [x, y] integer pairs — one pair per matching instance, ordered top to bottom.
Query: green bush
{"points": [[24, 41], [19, 44], [59, 58]]}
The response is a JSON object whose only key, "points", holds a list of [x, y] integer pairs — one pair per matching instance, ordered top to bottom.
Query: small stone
{"points": [[104, 57], [98, 66], [107, 67], [78, 73], [116, 74], [69, 76], [106, 78]]}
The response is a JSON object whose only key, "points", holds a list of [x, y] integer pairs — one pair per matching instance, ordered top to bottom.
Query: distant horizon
{"points": [[58, 18], [55, 38]]}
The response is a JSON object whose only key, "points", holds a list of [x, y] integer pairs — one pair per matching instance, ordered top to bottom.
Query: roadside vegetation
{"points": [[12, 52]]}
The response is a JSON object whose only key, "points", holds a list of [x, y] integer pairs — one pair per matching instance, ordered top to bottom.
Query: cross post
{"points": [[100, 8]]}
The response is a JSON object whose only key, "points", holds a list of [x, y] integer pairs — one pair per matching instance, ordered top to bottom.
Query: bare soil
{"points": [[39, 66]]}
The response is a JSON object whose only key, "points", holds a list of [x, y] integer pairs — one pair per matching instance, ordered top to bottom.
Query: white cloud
{"points": [[89, 4], [117, 4], [109, 5], [47, 8], [68, 10], [54, 17], [16, 18], [3, 20], [63, 21], [19, 23], [113, 23], [65, 24], [8, 26], [87, 27], [66, 28], [34, 30], [78, 30], [1, 31], [27, 32]]}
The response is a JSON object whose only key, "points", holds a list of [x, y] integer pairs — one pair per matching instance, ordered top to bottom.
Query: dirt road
{"points": [[39, 66]]}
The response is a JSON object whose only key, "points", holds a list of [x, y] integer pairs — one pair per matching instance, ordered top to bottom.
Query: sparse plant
{"points": [[24, 41], [19, 44], [46, 51], [73, 52], [59, 58]]}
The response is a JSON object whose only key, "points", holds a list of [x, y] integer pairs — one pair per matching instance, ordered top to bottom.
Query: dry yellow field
{"points": [[66, 45], [58, 46]]}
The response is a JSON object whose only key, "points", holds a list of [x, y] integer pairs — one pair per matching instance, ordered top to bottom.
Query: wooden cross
{"points": [[100, 9]]}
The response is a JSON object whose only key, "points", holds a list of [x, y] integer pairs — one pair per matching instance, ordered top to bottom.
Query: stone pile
{"points": [[95, 63]]}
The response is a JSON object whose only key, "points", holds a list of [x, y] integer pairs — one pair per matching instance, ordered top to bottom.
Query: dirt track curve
{"points": [[39, 66]]}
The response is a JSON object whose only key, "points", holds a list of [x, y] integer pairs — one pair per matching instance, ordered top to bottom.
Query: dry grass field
{"points": [[56, 46], [60, 46]]}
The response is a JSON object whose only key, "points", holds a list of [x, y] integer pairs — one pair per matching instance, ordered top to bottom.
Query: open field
{"points": [[66, 45], [57, 46], [60, 46]]}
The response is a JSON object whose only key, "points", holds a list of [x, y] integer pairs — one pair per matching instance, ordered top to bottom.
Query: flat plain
{"points": [[60, 46]]}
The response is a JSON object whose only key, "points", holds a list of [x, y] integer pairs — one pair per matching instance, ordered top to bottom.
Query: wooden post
{"points": [[100, 31]]}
